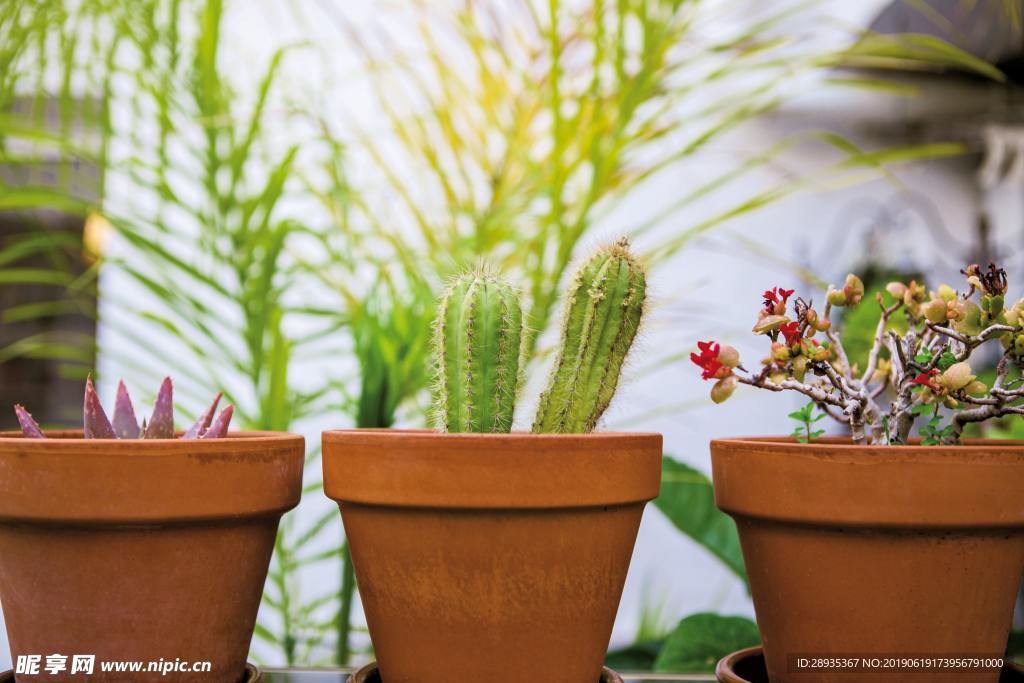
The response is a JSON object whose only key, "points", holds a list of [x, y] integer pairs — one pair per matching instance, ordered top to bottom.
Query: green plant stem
{"points": [[343, 649]]}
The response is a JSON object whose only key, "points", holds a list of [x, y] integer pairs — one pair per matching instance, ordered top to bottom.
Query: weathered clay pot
{"points": [[141, 550], [860, 550], [490, 557], [743, 666], [371, 674]]}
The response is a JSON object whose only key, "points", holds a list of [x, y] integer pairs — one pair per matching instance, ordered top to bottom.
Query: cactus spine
{"points": [[602, 316], [478, 339]]}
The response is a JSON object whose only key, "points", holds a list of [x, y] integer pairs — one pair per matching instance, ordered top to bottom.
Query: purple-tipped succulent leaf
{"points": [[95, 421], [161, 424], [126, 425], [201, 425], [29, 427], [219, 428]]}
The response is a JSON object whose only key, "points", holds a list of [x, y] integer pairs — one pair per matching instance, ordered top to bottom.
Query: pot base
{"points": [[747, 666], [369, 674], [252, 675]]}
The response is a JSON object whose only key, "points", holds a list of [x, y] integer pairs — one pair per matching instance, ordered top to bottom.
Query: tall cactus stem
{"points": [[603, 311]]}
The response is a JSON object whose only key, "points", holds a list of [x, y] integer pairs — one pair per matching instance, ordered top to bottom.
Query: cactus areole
{"points": [[124, 424]]}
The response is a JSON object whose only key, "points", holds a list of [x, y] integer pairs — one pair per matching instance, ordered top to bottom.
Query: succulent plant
{"points": [[602, 315], [478, 337], [919, 368], [125, 425]]}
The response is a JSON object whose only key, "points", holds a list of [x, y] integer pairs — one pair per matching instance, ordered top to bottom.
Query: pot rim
{"points": [[392, 432], [72, 439], [842, 444], [518, 470], [68, 480], [838, 484]]}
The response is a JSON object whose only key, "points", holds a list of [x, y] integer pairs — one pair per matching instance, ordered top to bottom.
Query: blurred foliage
{"points": [[558, 111], [36, 132], [211, 265], [688, 500], [700, 640], [695, 645], [1015, 646]]}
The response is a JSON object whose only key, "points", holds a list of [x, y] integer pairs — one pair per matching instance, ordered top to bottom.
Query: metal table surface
{"points": [[272, 675]]}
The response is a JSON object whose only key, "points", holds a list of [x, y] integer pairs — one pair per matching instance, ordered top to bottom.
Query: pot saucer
{"points": [[747, 666], [369, 674], [252, 675]]}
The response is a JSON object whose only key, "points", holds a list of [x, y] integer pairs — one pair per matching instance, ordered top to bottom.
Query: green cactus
{"points": [[602, 315], [478, 340]]}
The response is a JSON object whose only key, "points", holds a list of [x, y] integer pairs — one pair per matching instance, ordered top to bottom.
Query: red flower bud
{"points": [[775, 300], [791, 331], [709, 361]]}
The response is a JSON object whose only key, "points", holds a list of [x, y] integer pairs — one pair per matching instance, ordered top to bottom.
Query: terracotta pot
{"points": [[140, 550], [860, 550], [490, 557], [743, 666], [371, 674]]}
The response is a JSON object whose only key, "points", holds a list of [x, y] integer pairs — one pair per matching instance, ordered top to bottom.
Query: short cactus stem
{"points": [[602, 315], [478, 345]]}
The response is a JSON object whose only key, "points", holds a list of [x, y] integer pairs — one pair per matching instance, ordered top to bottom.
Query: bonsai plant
{"points": [[123, 542], [880, 543], [487, 554]]}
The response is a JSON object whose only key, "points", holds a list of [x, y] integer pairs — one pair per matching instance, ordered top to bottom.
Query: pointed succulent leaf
{"points": [[770, 323], [95, 421], [203, 423], [161, 424], [126, 425], [29, 427], [219, 428]]}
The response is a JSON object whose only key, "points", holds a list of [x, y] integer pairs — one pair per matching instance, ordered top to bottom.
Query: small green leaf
{"points": [[947, 360], [700, 640], [635, 657]]}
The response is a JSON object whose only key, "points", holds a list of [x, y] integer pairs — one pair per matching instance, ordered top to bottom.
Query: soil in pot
{"points": [[141, 550], [877, 551], [490, 557]]}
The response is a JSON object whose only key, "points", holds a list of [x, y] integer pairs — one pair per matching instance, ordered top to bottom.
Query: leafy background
{"points": [[285, 186]]}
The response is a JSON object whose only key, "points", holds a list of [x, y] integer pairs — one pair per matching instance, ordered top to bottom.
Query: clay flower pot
{"points": [[140, 550], [910, 551], [490, 557]]}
